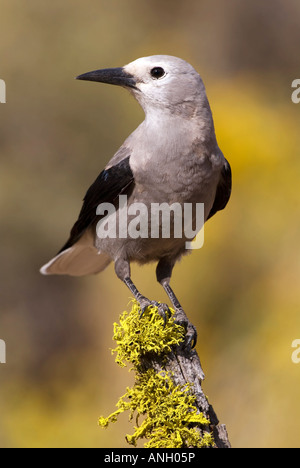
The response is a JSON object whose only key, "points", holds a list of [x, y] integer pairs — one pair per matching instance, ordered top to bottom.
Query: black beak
{"points": [[114, 76]]}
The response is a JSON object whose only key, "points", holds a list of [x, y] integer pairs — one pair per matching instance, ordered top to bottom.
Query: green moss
{"points": [[170, 418]]}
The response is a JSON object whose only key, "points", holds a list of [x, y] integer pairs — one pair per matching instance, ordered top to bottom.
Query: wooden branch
{"points": [[183, 364], [168, 385]]}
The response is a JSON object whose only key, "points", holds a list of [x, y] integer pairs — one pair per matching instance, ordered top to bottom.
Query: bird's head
{"points": [[159, 82]]}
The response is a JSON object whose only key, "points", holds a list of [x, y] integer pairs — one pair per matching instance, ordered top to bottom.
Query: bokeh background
{"points": [[241, 290]]}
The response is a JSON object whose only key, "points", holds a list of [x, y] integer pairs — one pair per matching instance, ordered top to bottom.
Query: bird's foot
{"points": [[163, 309], [191, 332]]}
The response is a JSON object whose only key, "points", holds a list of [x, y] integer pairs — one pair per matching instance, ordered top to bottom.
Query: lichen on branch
{"points": [[170, 417]]}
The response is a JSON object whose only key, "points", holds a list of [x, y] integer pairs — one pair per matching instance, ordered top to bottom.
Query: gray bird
{"points": [[172, 157]]}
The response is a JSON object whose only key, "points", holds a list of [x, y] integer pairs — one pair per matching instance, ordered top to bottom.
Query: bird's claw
{"points": [[163, 309], [180, 319], [191, 332], [191, 336]]}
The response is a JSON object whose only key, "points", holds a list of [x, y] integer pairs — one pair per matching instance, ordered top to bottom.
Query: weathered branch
{"points": [[183, 364], [168, 385]]}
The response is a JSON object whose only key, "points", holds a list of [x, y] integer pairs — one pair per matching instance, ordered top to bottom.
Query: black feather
{"points": [[107, 187], [223, 190]]}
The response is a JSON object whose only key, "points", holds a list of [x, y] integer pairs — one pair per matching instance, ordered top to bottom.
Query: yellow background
{"points": [[241, 290]]}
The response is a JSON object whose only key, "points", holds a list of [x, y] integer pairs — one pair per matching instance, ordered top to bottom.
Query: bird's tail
{"points": [[79, 260]]}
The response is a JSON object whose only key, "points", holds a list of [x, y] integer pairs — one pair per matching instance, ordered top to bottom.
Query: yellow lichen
{"points": [[137, 336], [170, 415]]}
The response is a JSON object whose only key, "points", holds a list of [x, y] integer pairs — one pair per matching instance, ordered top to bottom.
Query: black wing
{"points": [[107, 187], [223, 190]]}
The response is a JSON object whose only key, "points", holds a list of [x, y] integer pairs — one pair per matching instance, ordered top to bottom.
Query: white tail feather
{"points": [[79, 260]]}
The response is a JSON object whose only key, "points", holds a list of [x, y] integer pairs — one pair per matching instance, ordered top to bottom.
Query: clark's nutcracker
{"points": [[172, 157]]}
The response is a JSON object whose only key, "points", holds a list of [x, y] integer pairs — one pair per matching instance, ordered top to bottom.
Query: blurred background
{"points": [[241, 290]]}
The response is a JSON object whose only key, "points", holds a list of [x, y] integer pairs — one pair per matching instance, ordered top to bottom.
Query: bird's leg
{"points": [[122, 268], [164, 272], [163, 309], [181, 317]]}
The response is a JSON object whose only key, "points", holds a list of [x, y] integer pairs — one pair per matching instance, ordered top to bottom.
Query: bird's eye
{"points": [[157, 72]]}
